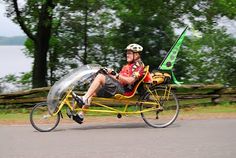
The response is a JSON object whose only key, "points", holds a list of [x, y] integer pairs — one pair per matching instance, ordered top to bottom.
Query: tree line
{"points": [[62, 35], [15, 40]]}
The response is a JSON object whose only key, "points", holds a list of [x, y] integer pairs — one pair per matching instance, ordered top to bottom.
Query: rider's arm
{"points": [[137, 73], [121, 78], [126, 80]]}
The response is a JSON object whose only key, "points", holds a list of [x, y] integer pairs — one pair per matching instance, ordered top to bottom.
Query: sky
{"points": [[7, 27]]}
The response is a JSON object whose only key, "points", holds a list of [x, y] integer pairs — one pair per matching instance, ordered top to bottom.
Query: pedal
{"points": [[70, 113]]}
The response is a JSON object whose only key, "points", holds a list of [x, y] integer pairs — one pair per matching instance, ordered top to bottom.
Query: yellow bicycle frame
{"points": [[98, 101]]}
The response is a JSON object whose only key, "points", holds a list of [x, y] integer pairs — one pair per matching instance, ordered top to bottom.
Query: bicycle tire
{"points": [[162, 116], [38, 117]]}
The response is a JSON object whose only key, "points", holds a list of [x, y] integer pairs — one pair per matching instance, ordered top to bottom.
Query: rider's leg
{"points": [[96, 84], [109, 86], [85, 107], [83, 111]]}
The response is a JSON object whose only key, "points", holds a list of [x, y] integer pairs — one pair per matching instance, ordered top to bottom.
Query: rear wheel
{"points": [[159, 109], [41, 120]]}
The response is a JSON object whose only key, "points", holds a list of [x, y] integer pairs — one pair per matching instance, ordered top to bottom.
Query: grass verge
{"points": [[224, 110]]}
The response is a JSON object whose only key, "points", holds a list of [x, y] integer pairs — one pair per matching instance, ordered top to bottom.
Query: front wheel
{"points": [[160, 107], [41, 120]]}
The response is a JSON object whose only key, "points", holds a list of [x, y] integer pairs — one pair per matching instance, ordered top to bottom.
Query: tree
{"points": [[35, 19], [153, 24], [72, 33], [82, 37], [211, 58]]}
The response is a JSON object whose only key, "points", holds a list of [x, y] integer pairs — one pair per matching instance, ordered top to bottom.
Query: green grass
{"points": [[225, 108], [212, 109], [14, 114], [14, 117]]}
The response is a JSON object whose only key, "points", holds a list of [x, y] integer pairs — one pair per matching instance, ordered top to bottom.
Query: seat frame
{"points": [[120, 96]]}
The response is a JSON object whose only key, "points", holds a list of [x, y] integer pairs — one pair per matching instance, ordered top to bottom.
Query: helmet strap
{"points": [[134, 58]]}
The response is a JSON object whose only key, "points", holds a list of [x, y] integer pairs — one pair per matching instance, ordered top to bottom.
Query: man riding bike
{"points": [[111, 83]]}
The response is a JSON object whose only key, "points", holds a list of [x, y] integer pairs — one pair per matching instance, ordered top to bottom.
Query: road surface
{"points": [[212, 138]]}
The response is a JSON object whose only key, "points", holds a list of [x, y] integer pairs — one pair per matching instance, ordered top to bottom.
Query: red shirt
{"points": [[135, 70]]}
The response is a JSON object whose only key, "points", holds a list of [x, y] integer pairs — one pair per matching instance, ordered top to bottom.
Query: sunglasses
{"points": [[129, 53]]}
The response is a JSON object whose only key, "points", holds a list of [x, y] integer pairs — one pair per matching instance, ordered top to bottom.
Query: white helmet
{"points": [[134, 47]]}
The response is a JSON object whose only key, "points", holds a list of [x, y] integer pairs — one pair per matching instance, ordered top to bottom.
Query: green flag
{"points": [[169, 60]]}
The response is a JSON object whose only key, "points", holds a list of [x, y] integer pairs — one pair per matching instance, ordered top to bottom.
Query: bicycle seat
{"points": [[145, 78]]}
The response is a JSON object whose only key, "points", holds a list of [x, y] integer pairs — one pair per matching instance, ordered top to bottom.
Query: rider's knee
{"points": [[101, 77]]}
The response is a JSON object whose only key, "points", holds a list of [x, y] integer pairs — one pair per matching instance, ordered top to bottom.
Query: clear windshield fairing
{"points": [[69, 81]]}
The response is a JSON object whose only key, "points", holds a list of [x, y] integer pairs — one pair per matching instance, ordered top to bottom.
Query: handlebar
{"points": [[105, 70]]}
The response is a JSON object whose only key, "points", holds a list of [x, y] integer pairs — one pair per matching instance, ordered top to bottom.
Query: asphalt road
{"points": [[214, 138]]}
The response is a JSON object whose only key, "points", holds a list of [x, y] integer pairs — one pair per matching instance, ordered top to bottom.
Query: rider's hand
{"points": [[109, 70], [115, 74]]}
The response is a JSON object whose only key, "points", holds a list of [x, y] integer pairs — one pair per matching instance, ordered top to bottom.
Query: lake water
{"points": [[13, 60]]}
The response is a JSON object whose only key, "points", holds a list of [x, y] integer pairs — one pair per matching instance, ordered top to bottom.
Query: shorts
{"points": [[110, 88]]}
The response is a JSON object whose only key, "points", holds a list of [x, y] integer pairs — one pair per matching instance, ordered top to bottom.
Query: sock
{"points": [[85, 100], [81, 115]]}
